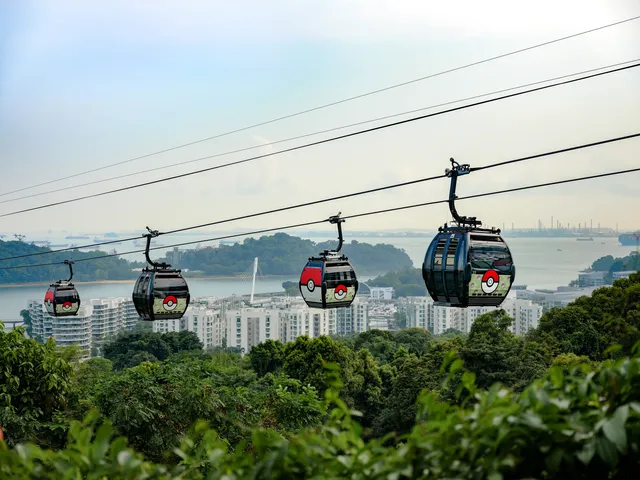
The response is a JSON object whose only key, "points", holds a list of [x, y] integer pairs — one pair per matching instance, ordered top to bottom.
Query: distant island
{"points": [[278, 254], [283, 254], [610, 265], [110, 268]]}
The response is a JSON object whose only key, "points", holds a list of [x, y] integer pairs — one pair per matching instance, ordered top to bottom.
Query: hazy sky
{"points": [[86, 84]]}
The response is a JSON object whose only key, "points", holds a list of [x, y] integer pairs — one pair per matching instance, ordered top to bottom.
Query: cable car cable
{"points": [[373, 92], [306, 135], [320, 142], [340, 197], [357, 215]]}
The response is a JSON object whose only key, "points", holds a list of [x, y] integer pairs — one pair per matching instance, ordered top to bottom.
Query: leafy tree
{"points": [[28, 324], [415, 340], [380, 343], [129, 349], [495, 354], [267, 357], [305, 359], [413, 375], [34, 382]]}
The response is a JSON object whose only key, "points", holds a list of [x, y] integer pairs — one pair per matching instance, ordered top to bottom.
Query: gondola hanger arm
{"points": [[335, 219], [148, 236], [70, 263]]}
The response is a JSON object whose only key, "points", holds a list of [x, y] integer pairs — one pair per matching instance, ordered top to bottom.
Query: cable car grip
{"points": [[453, 174], [335, 219], [148, 236], [69, 262]]}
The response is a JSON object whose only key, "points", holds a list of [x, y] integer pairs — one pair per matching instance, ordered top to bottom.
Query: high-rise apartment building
{"points": [[422, 313], [97, 321]]}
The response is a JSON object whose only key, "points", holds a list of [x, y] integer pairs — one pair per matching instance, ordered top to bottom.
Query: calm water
{"points": [[541, 263]]}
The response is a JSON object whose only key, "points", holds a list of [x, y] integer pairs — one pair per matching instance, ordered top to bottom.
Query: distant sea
{"points": [[540, 263]]}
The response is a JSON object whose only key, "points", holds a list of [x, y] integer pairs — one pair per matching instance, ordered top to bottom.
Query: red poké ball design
{"points": [[490, 281], [340, 292], [48, 298], [170, 302], [66, 306]]}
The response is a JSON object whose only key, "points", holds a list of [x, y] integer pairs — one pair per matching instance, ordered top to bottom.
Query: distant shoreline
{"points": [[189, 279], [133, 280]]}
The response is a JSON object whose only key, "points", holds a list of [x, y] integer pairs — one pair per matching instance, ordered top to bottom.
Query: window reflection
{"points": [[496, 257]]}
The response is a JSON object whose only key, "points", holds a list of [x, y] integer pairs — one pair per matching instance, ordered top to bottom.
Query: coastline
{"points": [[189, 279], [133, 280]]}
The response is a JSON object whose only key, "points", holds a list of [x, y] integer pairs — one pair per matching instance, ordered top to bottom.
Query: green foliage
{"points": [[283, 254], [609, 264], [111, 268], [407, 282], [28, 324], [589, 326], [129, 349], [267, 357], [34, 382], [562, 402], [575, 426]]}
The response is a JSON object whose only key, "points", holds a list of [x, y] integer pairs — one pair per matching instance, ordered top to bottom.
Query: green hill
{"points": [[279, 254], [283, 254], [111, 268]]}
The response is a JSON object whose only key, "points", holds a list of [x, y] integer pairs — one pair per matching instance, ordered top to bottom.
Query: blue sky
{"points": [[86, 84]]}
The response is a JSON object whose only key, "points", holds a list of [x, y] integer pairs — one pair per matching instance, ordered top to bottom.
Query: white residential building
{"points": [[381, 293], [561, 297], [422, 313], [353, 319], [97, 321], [206, 322], [249, 326]]}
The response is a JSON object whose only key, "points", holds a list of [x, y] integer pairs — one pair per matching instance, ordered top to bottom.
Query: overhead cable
{"points": [[338, 102], [312, 134], [320, 142], [341, 197], [357, 215]]}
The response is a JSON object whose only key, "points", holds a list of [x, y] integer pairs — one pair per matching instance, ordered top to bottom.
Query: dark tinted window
{"points": [[484, 257], [169, 284], [66, 295]]}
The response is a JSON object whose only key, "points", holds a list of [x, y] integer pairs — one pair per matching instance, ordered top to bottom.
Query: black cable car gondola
{"points": [[466, 265], [329, 281], [160, 293], [62, 299]]}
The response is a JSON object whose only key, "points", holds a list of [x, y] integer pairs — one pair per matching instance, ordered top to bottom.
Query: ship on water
{"points": [[584, 239], [629, 239]]}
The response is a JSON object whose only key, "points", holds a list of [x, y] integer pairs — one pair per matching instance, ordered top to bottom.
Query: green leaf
{"points": [[614, 428], [606, 451], [586, 454], [554, 459]]}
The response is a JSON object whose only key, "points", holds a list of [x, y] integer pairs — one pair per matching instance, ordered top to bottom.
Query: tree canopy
{"points": [[561, 402]]}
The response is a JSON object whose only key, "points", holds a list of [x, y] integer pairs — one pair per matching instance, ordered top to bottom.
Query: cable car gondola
{"points": [[466, 265], [329, 281], [160, 293], [62, 299]]}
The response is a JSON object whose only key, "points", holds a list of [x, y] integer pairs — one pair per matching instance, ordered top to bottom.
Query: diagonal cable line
{"points": [[338, 102], [312, 134], [320, 142], [344, 196], [357, 215]]}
